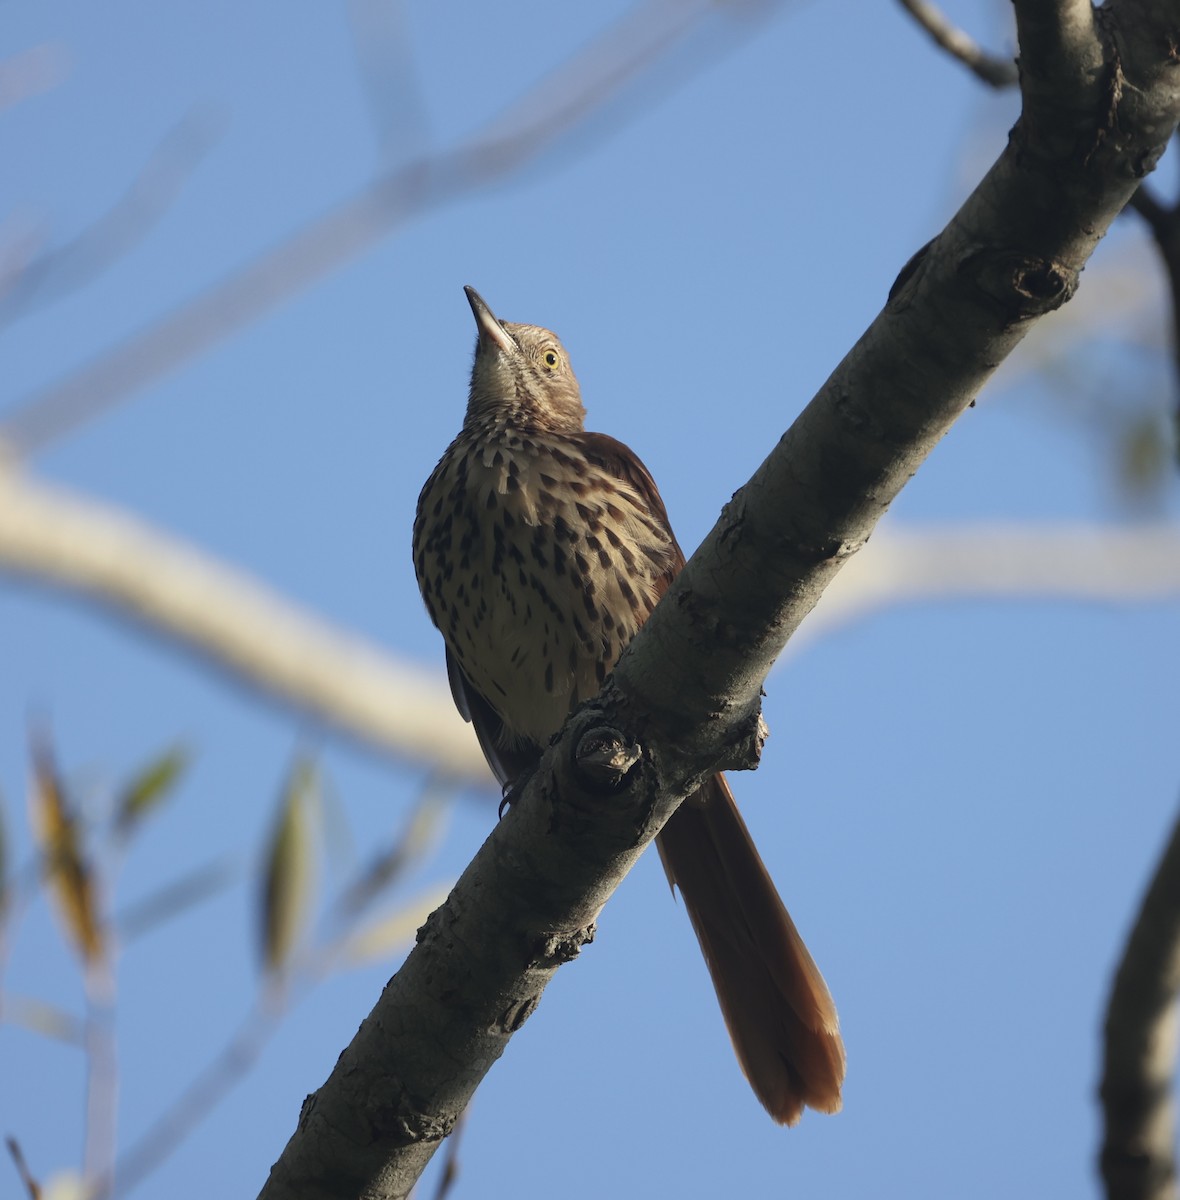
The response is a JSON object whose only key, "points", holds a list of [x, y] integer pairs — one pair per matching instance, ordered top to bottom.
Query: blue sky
{"points": [[961, 802]]}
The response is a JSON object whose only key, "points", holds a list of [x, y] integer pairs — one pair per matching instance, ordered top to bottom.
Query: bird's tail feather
{"points": [[777, 1007]]}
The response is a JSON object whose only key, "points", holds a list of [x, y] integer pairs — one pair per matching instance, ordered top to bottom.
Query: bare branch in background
{"points": [[992, 69], [31, 72], [388, 74], [541, 121], [1163, 221], [28, 285], [235, 622], [176, 897], [217, 1078], [1138, 1079]]}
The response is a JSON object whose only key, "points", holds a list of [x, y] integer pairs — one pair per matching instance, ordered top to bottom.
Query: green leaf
{"points": [[148, 788], [288, 869]]}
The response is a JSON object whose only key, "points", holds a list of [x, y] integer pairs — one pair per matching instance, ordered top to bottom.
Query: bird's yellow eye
{"points": [[550, 358]]}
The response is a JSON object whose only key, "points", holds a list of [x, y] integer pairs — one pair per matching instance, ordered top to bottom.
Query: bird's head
{"points": [[522, 374]]}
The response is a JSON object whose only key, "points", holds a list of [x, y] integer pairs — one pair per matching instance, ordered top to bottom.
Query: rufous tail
{"points": [[777, 1007]]}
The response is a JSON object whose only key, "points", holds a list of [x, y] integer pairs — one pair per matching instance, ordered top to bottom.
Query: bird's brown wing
{"points": [[626, 465], [507, 763]]}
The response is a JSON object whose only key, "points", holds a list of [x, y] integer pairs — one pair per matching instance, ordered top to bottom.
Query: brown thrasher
{"points": [[540, 549]]}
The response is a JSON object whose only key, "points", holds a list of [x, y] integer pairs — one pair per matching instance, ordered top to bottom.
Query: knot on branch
{"points": [[1147, 162], [1048, 284], [1024, 287], [745, 753], [604, 758], [564, 947], [517, 1013], [404, 1124]]}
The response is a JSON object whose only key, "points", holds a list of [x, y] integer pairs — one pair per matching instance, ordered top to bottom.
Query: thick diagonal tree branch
{"points": [[1098, 109]]}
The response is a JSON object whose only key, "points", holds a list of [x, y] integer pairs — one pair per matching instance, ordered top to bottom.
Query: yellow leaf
{"points": [[67, 871], [44, 1019], [65, 1185]]}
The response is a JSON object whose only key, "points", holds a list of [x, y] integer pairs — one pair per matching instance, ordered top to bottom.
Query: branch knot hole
{"points": [[1048, 284], [1024, 287], [604, 758]]}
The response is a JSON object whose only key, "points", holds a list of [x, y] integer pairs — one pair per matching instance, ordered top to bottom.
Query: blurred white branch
{"points": [[76, 543], [1106, 564]]}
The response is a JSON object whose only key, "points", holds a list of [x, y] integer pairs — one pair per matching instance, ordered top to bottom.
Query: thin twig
{"points": [[992, 69], [33, 71], [388, 75], [1158, 217], [1164, 223], [61, 271], [174, 898], [102, 1071], [220, 1074], [194, 1104], [450, 1168], [22, 1169]]}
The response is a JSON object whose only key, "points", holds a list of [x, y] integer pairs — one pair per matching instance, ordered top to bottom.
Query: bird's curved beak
{"points": [[491, 332]]}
